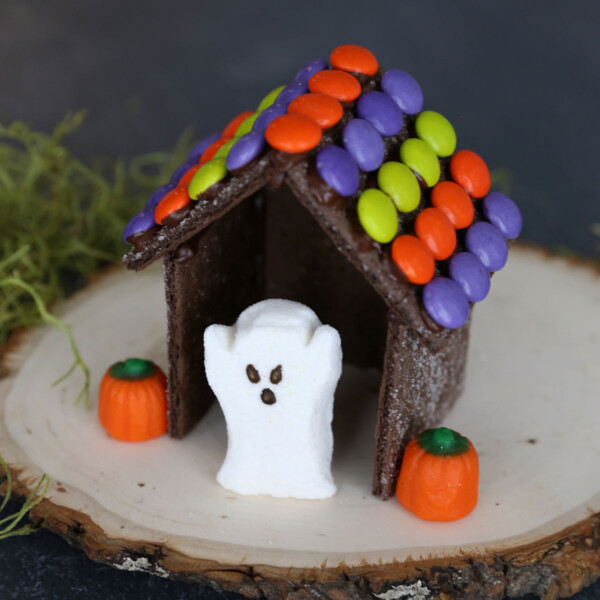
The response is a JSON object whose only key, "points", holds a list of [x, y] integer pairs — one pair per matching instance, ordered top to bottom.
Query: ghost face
{"points": [[269, 372], [275, 385], [267, 395]]}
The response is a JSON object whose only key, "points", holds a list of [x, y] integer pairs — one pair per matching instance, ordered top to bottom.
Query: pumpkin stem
{"points": [[133, 369], [443, 442]]}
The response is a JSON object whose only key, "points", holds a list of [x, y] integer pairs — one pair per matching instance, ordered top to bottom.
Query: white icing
{"points": [[282, 449]]}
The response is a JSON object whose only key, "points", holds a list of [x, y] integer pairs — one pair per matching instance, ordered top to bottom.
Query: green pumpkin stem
{"points": [[133, 369], [443, 442]]}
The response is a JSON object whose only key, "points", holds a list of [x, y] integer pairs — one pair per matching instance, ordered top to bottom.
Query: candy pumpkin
{"points": [[133, 401], [439, 477]]}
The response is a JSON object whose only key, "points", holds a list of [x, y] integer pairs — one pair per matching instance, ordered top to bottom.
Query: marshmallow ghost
{"points": [[274, 373]]}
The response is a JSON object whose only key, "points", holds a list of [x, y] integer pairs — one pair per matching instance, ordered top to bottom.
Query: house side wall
{"points": [[222, 276], [418, 389]]}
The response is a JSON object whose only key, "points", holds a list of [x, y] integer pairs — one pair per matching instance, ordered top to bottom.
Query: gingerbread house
{"points": [[339, 192]]}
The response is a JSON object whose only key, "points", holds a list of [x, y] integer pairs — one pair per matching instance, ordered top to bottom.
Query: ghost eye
{"points": [[252, 373], [276, 375]]}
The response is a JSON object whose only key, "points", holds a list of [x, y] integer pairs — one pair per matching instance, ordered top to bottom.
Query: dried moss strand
{"points": [[79, 246], [20, 254], [50, 319], [8, 484], [34, 498]]}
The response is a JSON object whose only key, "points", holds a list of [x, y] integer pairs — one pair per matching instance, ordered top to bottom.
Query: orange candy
{"points": [[356, 59], [338, 84], [324, 110], [233, 125], [293, 133], [212, 150], [469, 170], [188, 175], [173, 201], [454, 202], [434, 228], [413, 258], [132, 404], [439, 483]]}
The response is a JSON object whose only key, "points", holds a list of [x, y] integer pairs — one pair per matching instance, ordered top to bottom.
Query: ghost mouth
{"points": [[268, 397]]}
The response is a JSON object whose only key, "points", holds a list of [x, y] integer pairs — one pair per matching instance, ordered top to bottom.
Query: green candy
{"points": [[269, 98], [246, 125], [437, 131], [223, 151], [421, 158], [207, 175], [400, 184], [377, 215]]}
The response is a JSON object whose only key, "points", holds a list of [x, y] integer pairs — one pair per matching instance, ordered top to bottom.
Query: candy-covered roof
{"points": [[380, 174]]}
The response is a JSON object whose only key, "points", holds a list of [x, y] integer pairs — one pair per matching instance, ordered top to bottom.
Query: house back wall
{"points": [[303, 264]]}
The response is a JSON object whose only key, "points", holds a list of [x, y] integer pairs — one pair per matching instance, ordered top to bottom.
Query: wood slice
{"points": [[530, 407]]}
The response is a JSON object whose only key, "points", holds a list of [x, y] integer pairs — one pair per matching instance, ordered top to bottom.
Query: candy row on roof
{"points": [[293, 118]]}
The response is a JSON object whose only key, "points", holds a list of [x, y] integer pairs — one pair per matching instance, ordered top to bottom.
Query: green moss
{"points": [[62, 219]]}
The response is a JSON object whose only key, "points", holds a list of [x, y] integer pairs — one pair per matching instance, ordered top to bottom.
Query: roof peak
{"points": [[355, 146]]}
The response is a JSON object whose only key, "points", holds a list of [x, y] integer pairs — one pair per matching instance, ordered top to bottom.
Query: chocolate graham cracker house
{"points": [[341, 193]]}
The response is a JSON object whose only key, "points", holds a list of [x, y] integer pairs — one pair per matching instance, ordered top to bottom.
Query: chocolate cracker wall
{"points": [[303, 264], [220, 277], [418, 389]]}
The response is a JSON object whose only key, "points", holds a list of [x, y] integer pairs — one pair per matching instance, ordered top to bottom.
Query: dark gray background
{"points": [[520, 81]]}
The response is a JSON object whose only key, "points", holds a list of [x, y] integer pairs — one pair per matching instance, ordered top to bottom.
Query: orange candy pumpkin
{"points": [[133, 401], [439, 477]]}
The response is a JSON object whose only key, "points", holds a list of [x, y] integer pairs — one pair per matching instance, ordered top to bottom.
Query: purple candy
{"points": [[308, 70], [404, 89], [291, 91], [381, 111], [266, 116], [364, 143], [247, 148], [198, 150], [181, 170], [338, 170], [158, 195], [501, 211], [143, 221], [487, 243], [473, 278], [446, 303]]}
